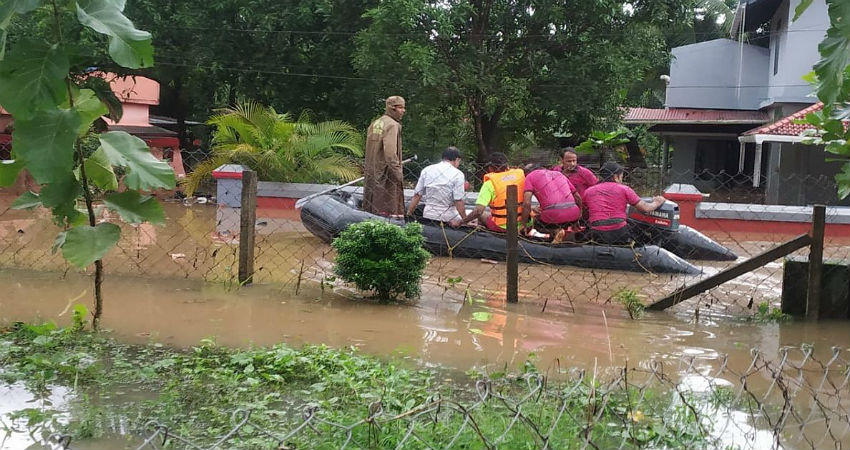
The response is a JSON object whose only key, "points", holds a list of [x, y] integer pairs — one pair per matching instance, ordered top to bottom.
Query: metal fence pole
{"points": [[247, 227], [512, 246], [816, 263]]}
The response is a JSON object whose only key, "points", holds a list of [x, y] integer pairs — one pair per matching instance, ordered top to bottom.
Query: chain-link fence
{"points": [[201, 237], [795, 398]]}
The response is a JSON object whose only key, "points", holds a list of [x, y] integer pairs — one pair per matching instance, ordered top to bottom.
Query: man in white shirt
{"points": [[442, 187]]}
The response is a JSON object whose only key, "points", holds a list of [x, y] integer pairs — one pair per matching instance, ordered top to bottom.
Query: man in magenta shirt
{"points": [[581, 177], [607, 202], [559, 204]]}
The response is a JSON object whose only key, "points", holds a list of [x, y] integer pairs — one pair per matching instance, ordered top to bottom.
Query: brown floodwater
{"points": [[443, 329]]}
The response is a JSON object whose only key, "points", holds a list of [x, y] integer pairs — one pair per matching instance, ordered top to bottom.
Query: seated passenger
{"points": [[580, 176], [442, 187], [494, 193], [606, 203], [560, 204]]}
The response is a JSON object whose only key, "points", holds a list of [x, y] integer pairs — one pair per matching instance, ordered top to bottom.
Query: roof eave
{"points": [[694, 122], [761, 138]]}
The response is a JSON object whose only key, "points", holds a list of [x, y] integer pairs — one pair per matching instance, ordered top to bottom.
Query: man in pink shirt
{"points": [[581, 177], [607, 202], [560, 205]]}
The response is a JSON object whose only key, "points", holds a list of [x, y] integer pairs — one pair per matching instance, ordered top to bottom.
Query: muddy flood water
{"points": [[173, 285], [447, 330]]}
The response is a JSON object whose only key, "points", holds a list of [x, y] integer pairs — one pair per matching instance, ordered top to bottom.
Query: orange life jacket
{"points": [[501, 181]]}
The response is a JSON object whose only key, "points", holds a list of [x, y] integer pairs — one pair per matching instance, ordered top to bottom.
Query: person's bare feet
{"points": [[559, 236]]}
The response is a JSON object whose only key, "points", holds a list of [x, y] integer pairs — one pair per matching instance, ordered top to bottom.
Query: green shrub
{"points": [[381, 257], [629, 299], [767, 314]]}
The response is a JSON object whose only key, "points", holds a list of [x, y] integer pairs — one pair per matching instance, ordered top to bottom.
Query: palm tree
{"points": [[280, 149]]}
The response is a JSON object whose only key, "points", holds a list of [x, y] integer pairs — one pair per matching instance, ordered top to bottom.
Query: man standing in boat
{"points": [[581, 177], [442, 187], [383, 190], [494, 193], [607, 202], [560, 204]]}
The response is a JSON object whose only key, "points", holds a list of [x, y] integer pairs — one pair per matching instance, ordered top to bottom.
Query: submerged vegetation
{"points": [[629, 299], [765, 313], [195, 391]]}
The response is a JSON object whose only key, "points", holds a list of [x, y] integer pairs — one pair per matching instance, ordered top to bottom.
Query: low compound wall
{"points": [[696, 212]]}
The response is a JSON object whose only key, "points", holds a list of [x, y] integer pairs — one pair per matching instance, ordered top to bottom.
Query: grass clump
{"points": [[629, 299], [764, 314]]}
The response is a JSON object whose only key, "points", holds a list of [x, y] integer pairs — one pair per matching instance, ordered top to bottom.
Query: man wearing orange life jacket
{"points": [[494, 193]]}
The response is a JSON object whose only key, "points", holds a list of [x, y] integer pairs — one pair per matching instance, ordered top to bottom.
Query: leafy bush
{"points": [[382, 257], [629, 299], [767, 314]]}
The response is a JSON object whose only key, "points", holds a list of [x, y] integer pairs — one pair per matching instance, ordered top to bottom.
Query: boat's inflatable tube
{"points": [[328, 215], [685, 242]]}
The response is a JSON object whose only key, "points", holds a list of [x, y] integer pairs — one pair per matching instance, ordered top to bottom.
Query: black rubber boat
{"points": [[327, 215]]}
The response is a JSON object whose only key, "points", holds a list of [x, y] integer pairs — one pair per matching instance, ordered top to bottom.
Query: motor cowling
{"points": [[666, 217]]}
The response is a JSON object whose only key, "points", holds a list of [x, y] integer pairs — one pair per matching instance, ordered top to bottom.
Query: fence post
{"points": [[247, 227], [512, 246], [815, 263]]}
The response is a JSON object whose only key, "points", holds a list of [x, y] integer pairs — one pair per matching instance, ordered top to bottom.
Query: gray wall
{"points": [[798, 51], [703, 75]]}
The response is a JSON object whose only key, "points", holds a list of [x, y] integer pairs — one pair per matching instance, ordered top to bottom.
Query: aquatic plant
{"points": [[381, 257], [629, 299], [764, 313]]}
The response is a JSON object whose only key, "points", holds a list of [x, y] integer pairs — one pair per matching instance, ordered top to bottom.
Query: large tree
{"points": [[215, 53], [506, 67]]}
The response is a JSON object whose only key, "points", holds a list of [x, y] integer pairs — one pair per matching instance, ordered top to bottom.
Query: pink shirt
{"points": [[582, 178], [554, 192], [609, 200]]}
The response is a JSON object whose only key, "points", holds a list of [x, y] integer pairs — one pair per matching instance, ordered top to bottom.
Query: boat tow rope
{"points": [[446, 238]]}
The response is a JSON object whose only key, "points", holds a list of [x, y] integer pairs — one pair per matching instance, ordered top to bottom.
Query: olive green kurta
{"points": [[383, 189]]}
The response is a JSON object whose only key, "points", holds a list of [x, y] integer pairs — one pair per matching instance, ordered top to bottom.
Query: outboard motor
{"points": [[666, 217], [661, 227]]}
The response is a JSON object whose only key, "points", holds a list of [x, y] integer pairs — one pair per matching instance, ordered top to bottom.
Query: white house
{"points": [[721, 91]]}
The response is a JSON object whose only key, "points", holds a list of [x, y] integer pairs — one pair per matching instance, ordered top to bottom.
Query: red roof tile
{"points": [[690, 115], [786, 125]]}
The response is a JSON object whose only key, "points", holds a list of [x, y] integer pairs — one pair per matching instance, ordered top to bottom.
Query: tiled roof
{"points": [[694, 116], [786, 125]]}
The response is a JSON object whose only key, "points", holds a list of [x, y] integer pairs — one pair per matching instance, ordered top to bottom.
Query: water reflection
{"points": [[451, 329]]}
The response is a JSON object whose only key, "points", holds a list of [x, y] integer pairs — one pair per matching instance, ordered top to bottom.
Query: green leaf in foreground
{"points": [[128, 46], [32, 77], [90, 108], [46, 143], [9, 170], [144, 170], [100, 171], [27, 200], [136, 208], [86, 244]]}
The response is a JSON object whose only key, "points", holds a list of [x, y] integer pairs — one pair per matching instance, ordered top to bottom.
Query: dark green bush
{"points": [[381, 257]]}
